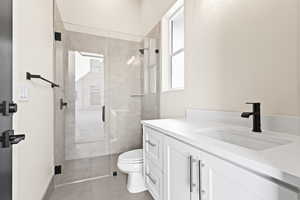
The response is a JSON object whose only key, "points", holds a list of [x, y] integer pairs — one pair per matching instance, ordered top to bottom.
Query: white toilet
{"points": [[131, 163]]}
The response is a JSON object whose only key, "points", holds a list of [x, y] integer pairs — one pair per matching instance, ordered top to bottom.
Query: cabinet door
{"points": [[181, 172], [222, 180]]}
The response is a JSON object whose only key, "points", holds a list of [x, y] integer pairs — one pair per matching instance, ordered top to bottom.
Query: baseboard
{"points": [[49, 190]]}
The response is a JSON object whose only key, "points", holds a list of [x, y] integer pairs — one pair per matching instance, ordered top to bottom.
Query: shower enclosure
{"points": [[107, 87], [98, 106]]}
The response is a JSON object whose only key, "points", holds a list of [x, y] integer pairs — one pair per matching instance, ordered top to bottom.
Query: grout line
{"points": [[82, 181]]}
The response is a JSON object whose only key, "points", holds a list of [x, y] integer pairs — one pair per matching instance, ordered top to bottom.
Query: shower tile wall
{"points": [[151, 75], [125, 81]]}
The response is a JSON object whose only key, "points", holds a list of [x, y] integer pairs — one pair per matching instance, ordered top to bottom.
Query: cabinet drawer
{"points": [[153, 145], [154, 180]]}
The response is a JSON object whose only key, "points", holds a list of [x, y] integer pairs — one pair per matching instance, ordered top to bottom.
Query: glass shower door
{"points": [[97, 71], [89, 139], [84, 149]]}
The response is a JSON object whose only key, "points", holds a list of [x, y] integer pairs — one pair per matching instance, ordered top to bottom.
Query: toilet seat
{"points": [[132, 157]]}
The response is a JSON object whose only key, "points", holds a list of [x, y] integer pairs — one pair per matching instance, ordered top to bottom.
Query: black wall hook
{"points": [[29, 76]]}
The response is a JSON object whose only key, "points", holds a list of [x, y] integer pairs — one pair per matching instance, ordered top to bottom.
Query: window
{"points": [[173, 48], [177, 49]]}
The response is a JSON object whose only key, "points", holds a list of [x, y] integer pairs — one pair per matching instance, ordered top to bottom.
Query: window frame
{"points": [[172, 54]]}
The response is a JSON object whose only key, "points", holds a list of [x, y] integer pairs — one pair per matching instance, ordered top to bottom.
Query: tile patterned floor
{"points": [[109, 188]]}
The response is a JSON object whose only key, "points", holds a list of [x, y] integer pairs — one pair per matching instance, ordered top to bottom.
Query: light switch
{"points": [[24, 94]]}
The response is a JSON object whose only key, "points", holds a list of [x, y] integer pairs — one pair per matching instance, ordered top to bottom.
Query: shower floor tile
{"points": [[76, 170], [109, 188]]}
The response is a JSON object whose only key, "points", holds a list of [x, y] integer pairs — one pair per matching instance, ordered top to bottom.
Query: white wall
{"points": [[121, 16], [238, 51], [33, 52], [172, 104]]}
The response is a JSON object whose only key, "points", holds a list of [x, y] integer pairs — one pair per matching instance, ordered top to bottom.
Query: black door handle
{"points": [[63, 104], [7, 108], [103, 113], [8, 138], [15, 139]]}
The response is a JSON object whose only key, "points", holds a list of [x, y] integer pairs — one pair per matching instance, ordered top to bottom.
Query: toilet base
{"points": [[135, 183]]}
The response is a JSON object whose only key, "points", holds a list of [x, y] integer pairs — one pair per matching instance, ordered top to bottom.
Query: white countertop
{"points": [[281, 162]]}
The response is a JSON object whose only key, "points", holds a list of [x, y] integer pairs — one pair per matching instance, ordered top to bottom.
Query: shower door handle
{"points": [[103, 113]]}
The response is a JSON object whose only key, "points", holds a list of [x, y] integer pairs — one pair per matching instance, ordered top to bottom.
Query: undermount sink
{"points": [[245, 138]]}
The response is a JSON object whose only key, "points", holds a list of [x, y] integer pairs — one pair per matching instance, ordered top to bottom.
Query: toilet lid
{"points": [[132, 156]]}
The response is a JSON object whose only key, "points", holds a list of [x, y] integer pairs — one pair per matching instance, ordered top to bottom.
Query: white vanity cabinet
{"points": [[187, 173]]}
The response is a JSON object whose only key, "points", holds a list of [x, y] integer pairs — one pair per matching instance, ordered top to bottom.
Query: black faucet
{"points": [[256, 116]]}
